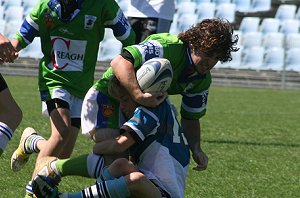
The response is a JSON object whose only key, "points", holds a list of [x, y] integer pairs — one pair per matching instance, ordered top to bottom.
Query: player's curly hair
{"points": [[212, 37]]}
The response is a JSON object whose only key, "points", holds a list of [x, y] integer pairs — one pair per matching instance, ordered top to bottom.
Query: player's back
{"points": [[162, 154]]}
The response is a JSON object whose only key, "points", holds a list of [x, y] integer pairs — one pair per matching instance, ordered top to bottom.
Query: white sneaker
{"points": [[19, 158], [43, 168]]}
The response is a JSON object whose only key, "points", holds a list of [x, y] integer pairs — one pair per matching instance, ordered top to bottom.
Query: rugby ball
{"points": [[155, 75]]}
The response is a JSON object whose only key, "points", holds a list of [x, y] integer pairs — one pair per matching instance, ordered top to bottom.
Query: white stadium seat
{"points": [[205, 11], [226, 11], [286, 11], [249, 24], [269, 25], [251, 39], [273, 39], [292, 41], [252, 58], [273, 59], [292, 60]]}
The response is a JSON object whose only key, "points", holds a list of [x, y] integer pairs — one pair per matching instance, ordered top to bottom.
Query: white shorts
{"points": [[75, 103], [99, 111]]}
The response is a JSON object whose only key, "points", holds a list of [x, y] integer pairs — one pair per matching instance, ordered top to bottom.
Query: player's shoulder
{"points": [[166, 38]]}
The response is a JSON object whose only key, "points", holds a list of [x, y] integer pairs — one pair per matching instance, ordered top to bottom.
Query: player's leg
{"points": [[64, 110], [10, 115], [30, 143], [109, 184]]}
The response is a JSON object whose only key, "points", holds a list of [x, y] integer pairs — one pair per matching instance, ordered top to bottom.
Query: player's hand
{"points": [[7, 52], [152, 99], [201, 159]]}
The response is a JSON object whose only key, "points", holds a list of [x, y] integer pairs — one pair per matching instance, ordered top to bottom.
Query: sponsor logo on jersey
{"points": [[89, 22], [64, 30], [150, 49], [67, 54], [107, 110]]}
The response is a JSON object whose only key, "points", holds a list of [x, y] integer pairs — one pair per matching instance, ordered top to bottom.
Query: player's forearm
{"points": [[124, 71], [192, 133]]}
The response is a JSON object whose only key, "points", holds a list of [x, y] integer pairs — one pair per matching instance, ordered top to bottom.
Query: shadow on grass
{"points": [[251, 143]]}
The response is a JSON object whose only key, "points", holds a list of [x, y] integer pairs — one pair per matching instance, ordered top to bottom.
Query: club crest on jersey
{"points": [[49, 19], [89, 22], [107, 110]]}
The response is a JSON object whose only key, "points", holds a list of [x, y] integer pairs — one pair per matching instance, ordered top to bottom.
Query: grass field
{"points": [[252, 138]]}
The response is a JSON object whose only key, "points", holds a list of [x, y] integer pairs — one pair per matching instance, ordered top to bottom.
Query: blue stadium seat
{"points": [[202, 1], [218, 2], [9, 3], [242, 5], [260, 5], [186, 8], [205, 11], [226, 11], [286, 11], [1, 12], [14, 13], [186, 21], [249, 24], [269, 25], [2, 26], [289, 26], [251, 39], [273, 39], [292, 41], [252, 58], [273, 59], [292, 60], [235, 63]]}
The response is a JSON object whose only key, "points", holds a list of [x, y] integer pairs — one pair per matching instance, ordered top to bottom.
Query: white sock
{"points": [[5, 135]]}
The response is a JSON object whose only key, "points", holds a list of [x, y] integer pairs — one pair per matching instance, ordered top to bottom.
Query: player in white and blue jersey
{"points": [[157, 147]]}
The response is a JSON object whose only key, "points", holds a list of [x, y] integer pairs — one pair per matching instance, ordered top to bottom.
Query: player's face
{"points": [[203, 63], [127, 105]]}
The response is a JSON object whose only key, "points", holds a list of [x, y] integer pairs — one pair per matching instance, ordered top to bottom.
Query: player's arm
{"points": [[7, 52], [124, 70], [192, 132], [114, 146]]}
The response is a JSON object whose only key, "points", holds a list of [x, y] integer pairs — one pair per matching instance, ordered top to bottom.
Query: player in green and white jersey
{"points": [[70, 33], [192, 54]]}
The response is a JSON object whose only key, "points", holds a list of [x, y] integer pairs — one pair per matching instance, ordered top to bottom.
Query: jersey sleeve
{"points": [[116, 20], [30, 28], [194, 100], [142, 124]]}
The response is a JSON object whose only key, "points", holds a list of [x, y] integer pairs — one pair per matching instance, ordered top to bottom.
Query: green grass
{"points": [[251, 136]]}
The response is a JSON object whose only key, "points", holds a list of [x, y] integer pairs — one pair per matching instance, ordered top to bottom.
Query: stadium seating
{"points": [[202, 1], [219, 2], [9, 3], [242, 5], [260, 5], [186, 7], [205, 11], [226, 11], [286, 11], [14, 13], [185, 21], [249, 24], [269, 25], [289, 26], [251, 39], [273, 39], [292, 41], [252, 58], [273, 59], [292, 60], [235, 63]]}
